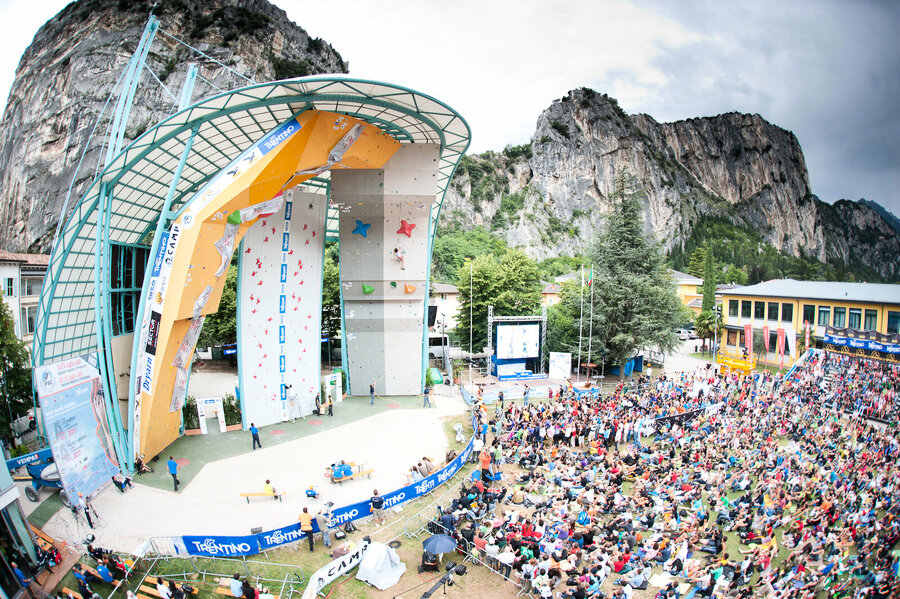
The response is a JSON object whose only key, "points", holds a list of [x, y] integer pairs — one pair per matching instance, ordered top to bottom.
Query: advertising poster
{"points": [[560, 365], [74, 411]]}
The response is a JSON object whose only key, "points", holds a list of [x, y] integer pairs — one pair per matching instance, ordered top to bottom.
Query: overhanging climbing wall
{"points": [[384, 297], [280, 310]]}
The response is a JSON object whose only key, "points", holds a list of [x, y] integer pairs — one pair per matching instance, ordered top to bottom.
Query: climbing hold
{"points": [[234, 218], [361, 228], [405, 228], [394, 284], [407, 288], [367, 289]]}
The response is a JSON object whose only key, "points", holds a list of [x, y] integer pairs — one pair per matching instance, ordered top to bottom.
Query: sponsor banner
{"points": [[274, 139], [152, 333], [874, 336], [748, 339], [867, 341], [766, 343], [560, 365], [522, 376], [73, 408], [23, 460], [248, 545], [221, 546], [332, 571]]}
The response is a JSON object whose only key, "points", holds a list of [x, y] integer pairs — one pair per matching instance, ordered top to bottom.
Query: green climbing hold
{"points": [[234, 218], [394, 284], [367, 289]]}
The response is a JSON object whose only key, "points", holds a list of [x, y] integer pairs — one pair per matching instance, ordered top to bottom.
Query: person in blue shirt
{"points": [[254, 432], [173, 470], [104, 572], [20, 575]]}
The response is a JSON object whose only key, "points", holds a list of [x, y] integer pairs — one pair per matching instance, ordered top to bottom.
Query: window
{"points": [[126, 270], [31, 286], [10, 290], [732, 308], [746, 308], [759, 310], [773, 310], [787, 312], [809, 313], [29, 316], [824, 316], [840, 317], [855, 318], [871, 322], [893, 322], [732, 337]]}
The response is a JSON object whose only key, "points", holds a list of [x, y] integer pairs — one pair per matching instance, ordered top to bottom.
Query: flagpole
{"points": [[471, 267], [591, 321], [580, 327]]}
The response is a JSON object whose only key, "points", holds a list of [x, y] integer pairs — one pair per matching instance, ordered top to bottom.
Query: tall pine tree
{"points": [[635, 304]]}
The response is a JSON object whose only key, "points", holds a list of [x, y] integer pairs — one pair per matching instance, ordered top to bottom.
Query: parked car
{"points": [[683, 334], [25, 423]]}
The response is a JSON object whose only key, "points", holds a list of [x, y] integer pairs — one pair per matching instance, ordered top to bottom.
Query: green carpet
{"points": [[45, 510]]}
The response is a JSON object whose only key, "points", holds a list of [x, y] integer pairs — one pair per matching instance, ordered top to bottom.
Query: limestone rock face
{"points": [[65, 77], [735, 166]]}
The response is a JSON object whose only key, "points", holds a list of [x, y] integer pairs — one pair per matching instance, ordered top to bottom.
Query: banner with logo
{"points": [[806, 326], [748, 338], [766, 344], [863, 344], [781, 346], [560, 365], [73, 408], [219, 546], [332, 571]]}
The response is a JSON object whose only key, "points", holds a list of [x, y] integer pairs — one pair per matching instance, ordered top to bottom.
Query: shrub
{"points": [[560, 128], [232, 408], [189, 413]]}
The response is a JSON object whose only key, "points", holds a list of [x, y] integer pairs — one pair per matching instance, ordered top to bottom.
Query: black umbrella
{"points": [[439, 544]]}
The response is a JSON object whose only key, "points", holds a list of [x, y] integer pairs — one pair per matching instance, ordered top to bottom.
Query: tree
{"points": [[698, 262], [709, 283], [510, 284], [331, 292], [634, 300], [708, 325], [221, 327], [15, 370]]}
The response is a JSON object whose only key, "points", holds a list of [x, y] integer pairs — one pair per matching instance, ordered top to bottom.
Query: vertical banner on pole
{"points": [[806, 326], [748, 339], [766, 343], [781, 348]]}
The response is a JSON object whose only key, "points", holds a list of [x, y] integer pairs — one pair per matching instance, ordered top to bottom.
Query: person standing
{"points": [[372, 394], [426, 403], [330, 407], [254, 432], [173, 470], [377, 502], [322, 520], [306, 526]]}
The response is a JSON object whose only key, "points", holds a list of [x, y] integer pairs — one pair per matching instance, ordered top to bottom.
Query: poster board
{"points": [[560, 365], [73, 407]]}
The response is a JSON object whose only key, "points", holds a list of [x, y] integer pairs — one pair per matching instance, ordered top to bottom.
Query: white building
{"points": [[21, 278]]}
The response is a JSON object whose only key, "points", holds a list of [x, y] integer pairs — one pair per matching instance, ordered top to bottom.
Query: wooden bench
{"points": [[344, 479], [247, 496], [44, 540], [151, 590], [74, 594]]}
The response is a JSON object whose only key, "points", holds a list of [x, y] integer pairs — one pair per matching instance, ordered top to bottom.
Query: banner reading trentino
{"points": [[74, 412]]}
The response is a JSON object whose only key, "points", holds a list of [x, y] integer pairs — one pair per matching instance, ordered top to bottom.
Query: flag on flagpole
{"points": [[591, 276], [748, 339], [781, 346]]}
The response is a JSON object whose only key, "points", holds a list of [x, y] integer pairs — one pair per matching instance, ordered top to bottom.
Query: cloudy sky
{"points": [[828, 71]]}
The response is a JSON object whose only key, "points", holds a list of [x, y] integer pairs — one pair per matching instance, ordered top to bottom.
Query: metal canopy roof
{"points": [[180, 154]]}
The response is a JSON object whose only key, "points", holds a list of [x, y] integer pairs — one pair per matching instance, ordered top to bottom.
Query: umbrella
{"points": [[439, 544]]}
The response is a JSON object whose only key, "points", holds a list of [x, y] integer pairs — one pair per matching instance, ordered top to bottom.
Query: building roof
{"points": [[26, 259], [682, 278], [443, 288], [549, 288], [879, 293]]}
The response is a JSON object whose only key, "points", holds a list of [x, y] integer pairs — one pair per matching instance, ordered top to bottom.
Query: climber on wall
{"points": [[399, 257]]}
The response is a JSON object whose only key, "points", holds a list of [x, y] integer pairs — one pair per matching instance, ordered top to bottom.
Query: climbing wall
{"points": [[384, 299], [280, 309]]}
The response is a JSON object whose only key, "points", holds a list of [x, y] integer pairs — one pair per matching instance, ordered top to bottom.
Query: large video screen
{"points": [[518, 341]]}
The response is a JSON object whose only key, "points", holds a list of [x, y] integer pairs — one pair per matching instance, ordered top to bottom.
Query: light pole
{"points": [[471, 266], [715, 333], [444, 336]]}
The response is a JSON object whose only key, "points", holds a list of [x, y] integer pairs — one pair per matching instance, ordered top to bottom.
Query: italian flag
{"points": [[591, 276]]}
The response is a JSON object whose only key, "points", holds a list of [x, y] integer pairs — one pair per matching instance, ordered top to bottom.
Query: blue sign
{"points": [[274, 139], [288, 208], [285, 241], [160, 253], [284, 273], [281, 304], [281, 334], [282, 365], [37, 456], [215, 546]]}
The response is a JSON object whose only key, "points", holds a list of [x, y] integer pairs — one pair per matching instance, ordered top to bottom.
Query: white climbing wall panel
{"points": [[280, 309]]}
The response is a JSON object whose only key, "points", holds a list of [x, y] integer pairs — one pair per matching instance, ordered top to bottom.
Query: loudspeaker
{"points": [[432, 315], [256, 530]]}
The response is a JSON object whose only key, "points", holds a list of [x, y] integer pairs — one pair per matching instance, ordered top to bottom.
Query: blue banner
{"points": [[248, 545], [221, 546]]}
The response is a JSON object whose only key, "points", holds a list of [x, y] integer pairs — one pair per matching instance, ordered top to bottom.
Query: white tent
{"points": [[381, 567]]}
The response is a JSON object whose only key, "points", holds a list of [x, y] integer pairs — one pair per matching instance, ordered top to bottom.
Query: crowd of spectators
{"points": [[866, 387], [699, 484]]}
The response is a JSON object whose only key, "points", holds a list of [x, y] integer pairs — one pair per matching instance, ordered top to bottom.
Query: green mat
{"points": [[46, 510]]}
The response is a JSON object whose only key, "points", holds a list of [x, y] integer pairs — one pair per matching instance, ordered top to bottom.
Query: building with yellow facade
{"points": [[688, 289], [787, 304]]}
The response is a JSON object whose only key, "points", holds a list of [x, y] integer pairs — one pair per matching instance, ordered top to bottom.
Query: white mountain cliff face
{"points": [[66, 74], [549, 197]]}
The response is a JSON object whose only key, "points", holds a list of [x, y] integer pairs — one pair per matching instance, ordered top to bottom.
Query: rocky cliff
{"points": [[65, 76], [549, 196]]}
